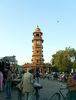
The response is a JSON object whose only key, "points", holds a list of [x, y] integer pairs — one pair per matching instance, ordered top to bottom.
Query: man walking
{"points": [[28, 86]]}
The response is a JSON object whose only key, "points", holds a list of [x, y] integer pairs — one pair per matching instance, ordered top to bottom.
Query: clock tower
{"points": [[37, 47], [37, 56]]}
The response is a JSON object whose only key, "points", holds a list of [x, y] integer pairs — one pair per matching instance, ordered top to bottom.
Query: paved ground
{"points": [[49, 88]]}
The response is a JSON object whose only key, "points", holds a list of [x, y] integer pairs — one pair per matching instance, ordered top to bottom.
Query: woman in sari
{"points": [[1, 81]]}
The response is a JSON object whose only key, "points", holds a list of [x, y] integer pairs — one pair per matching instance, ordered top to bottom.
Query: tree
{"points": [[64, 59], [54, 69]]}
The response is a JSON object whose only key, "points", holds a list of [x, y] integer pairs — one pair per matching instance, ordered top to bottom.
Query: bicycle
{"points": [[58, 95]]}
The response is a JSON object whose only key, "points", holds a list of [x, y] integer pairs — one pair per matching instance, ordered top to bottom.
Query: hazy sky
{"points": [[19, 18]]}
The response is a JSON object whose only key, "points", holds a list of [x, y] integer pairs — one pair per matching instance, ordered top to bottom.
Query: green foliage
{"points": [[64, 59], [54, 69]]}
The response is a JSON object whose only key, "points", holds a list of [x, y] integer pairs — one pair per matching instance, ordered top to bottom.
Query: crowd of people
{"points": [[60, 76], [28, 79], [27, 82]]}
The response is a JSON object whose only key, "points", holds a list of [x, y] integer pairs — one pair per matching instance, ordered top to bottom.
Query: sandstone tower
{"points": [[37, 47], [37, 56]]}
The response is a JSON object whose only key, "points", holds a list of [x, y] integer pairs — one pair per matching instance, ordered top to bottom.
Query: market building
{"points": [[37, 56]]}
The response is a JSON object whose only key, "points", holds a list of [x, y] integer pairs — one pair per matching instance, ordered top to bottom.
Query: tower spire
{"points": [[37, 26]]}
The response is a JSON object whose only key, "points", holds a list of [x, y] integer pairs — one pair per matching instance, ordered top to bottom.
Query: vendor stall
{"points": [[10, 61]]}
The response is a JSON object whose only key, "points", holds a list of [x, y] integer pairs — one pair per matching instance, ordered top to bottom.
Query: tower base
{"points": [[43, 68]]}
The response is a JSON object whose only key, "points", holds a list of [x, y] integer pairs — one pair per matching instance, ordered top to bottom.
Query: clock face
{"points": [[37, 42]]}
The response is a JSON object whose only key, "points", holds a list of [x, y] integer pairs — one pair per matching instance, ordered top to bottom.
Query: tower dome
{"points": [[37, 29]]}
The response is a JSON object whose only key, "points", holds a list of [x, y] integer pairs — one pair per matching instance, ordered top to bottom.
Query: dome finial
{"points": [[37, 26], [37, 29]]}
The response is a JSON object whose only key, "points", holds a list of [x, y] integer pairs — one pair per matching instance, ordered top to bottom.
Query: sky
{"points": [[19, 19]]}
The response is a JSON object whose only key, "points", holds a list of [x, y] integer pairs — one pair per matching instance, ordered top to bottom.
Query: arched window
{"points": [[37, 34]]}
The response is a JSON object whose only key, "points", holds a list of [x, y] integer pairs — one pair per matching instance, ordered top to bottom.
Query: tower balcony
{"points": [[37, 32], [37, 38], [38, 46], [38, 49], [37, 55]]}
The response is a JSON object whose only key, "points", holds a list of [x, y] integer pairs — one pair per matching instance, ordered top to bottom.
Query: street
{"points": [[49, 88]]}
